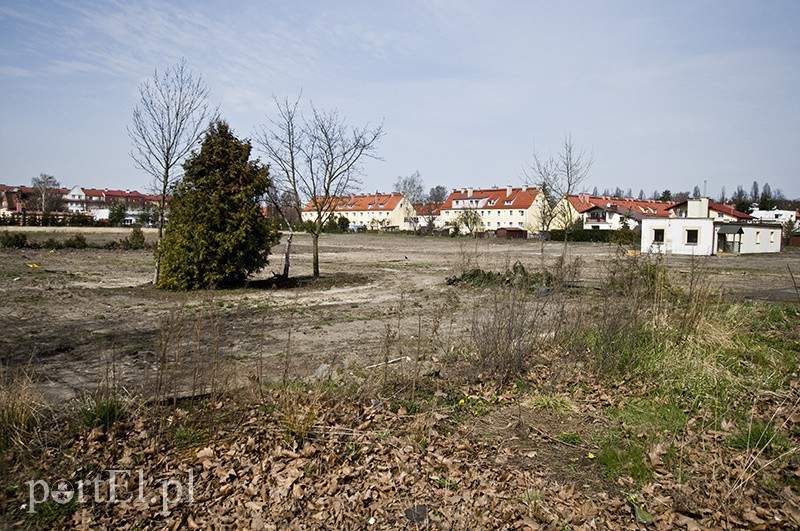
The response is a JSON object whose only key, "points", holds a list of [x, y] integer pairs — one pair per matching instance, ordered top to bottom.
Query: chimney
{"points": [[524, 188], [508, 190], [469, 192]]}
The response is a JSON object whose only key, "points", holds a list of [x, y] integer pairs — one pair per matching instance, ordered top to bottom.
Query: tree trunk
{"points": [[162, 208], [315, 251], [541, 251], [287, 254], [157, 270]]}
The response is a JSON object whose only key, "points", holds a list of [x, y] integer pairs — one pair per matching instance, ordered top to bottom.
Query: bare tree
{"points": [[168, 121], [317, 159], [542, 173], [559, 177], [411, 186], [47, 197], [431, 204], [470, 219]]}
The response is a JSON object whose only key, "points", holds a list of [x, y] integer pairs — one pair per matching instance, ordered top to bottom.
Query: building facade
{"points": [[489, 209], [392, 211], [703, 236]]}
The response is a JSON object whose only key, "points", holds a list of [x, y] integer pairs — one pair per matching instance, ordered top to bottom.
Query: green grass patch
{"points": [[103, 412], [758, 435], [186, 436], [569, 438], [624, 457], [52, 512]]}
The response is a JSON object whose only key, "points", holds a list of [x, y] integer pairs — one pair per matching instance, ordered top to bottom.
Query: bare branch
{"points": [[171, 116], [316, 159]]}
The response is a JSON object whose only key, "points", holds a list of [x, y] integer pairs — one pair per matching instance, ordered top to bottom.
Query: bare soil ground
{"points": [[72, 316], [554, 449]]}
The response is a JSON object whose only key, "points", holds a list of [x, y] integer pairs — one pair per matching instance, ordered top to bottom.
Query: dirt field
{"points": [[76, 318]]}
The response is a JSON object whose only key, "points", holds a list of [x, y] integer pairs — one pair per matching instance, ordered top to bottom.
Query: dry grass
{"points": [[21, 411]]}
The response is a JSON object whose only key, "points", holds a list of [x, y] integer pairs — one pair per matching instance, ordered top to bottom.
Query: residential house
{"points": [[12, 198], [16, 199], [84, 200], [703, 207], [495, 208], [392, 211], [612, 213], [428, 215], [775, 215], [708, 236]]}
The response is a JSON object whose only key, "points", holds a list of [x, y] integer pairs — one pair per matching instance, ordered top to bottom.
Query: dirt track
{"points": [[84, 315]]}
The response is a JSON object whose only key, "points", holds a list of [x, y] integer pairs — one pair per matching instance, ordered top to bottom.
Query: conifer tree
{"points": [[217, 234]]}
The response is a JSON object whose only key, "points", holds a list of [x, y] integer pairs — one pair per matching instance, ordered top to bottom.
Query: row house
{"points": [[15, 199], [83, 200], [502, 208], [392, 211]]}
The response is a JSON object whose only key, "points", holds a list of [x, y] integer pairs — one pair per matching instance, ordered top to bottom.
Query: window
{"points": [[521, 212], [658, 235], [691, 236], [772, 236], [758, 237]]}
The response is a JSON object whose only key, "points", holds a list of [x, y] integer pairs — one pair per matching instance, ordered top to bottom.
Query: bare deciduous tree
{"points": [[171, 116], [315, 160], [541, 174], [563, 175], [411, 186], [47, 198], [470, 219]]}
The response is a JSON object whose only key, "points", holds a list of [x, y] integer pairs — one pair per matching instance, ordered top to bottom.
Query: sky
{"points": [[663, 95]]}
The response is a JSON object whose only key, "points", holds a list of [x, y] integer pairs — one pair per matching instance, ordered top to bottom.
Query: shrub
{"points": [[217, 234], [623, 236], [13, 240], [78, 241], [135, 241], [51, 243], [516, 277], [504, 337]]}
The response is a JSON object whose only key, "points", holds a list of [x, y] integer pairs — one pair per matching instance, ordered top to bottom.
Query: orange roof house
{"points": [[644, 207], [494, 208], [373, 211]]}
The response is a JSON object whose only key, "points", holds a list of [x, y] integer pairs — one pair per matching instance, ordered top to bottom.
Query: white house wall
{"points": [[675, 232], [761, 239]]}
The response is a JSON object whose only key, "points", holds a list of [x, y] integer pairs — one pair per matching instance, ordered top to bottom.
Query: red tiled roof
{"points": [[497, 197], [355, 202], [645, 207], [427, 209], [729, 209]]}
